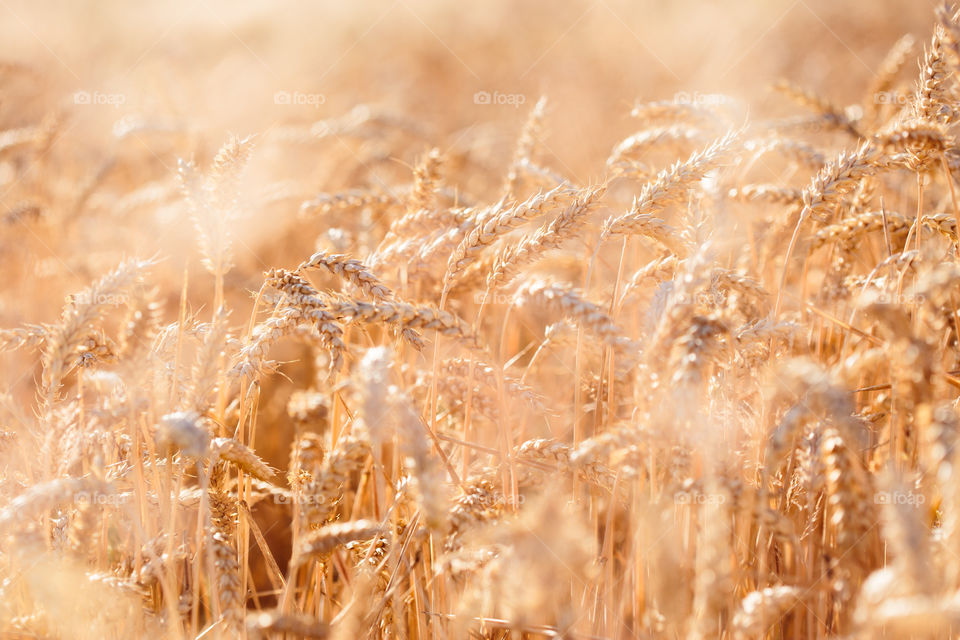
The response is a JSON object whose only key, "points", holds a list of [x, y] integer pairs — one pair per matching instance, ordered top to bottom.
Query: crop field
{"points": [[411, 319]]}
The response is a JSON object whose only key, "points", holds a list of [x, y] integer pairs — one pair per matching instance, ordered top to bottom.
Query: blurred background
{"points": [[217, 66]]}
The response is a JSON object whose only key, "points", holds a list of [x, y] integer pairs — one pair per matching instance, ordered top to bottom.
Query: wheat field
{"points": [[416, 320]]}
